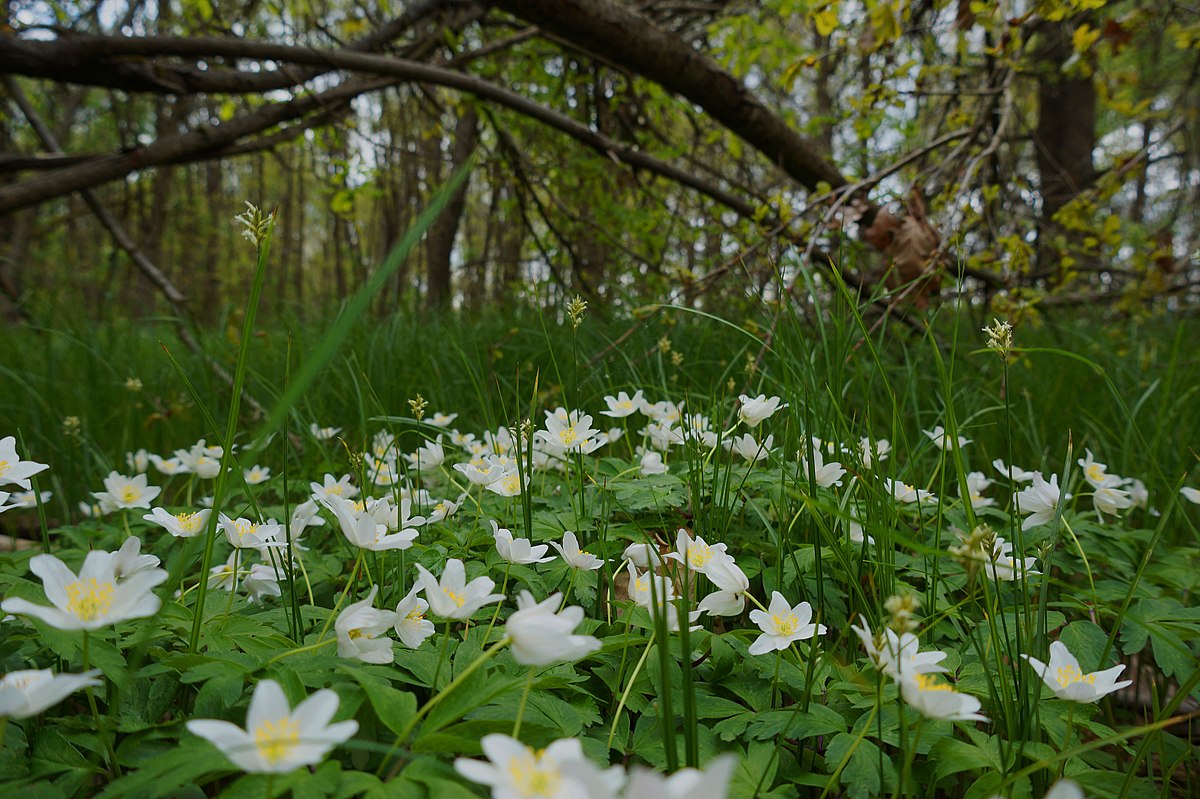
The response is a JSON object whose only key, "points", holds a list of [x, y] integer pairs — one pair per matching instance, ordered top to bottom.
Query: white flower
{"points": [[623, 405], [753, 411], [665, 413], [440, 419], [323, 433], [566, 433], [662, 436], [938, 436], [748, 448], [872, 453], [429, 456], [202, 460], [138, 462], [652, 463], [168, 466], [12, 468], [485, 471], [1096, 473], [256, 474], [825, 474], [1018, 474], [976, 484], [507, 485], [331, 487], [126, 492], [1138, 493], [907, 494], [1192, 495], [27, 499], [1039, 500], [1111, 500], [444, 509], [306, 514], [180, 525], [368, 527], [854, 530], [245, 534], [518, 550], [696, 554], [642, 555], [574, 557], [127, 561], [1001, 565], [224, 577], [261, 582], [649, 590], [452, 597], [91, 600], [723, 603], [782, 624], [411, 625], [358, 628], [540, 636], [897, 655], [1067, 681], [29, 692], [938, 700], [278, 739], [516, 771], [686, 783], [1065, 789]]}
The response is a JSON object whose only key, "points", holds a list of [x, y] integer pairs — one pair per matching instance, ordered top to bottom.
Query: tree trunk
{"points": [[1065, 137], [440, 244]]}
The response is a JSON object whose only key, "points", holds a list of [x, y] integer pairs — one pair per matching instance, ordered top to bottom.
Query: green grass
{"points": [[814, 719]]}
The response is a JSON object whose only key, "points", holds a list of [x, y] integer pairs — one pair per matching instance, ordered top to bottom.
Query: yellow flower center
{"points": [[625, 406], [567, 436], [4, 467], [1095, 472], [511, 484], [336, 490], [130, 494], [187, 521], [244, 528], [698, 555], [90, 599], [458, 599], [416, 614], [785, 625], [355, 634], [1069, 675], [927, 683], [276, 739], [532, 779]]}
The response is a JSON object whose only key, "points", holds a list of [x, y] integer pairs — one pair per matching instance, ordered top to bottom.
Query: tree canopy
{"points": [[1033, 153]]}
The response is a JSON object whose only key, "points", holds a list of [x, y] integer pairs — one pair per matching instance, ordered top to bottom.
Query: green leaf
{"points": [[393, 707]]}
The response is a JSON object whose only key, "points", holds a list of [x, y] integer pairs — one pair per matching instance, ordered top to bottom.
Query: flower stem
{"points": [[521, 705], [407, 729], [612, 732], [1066, 737], [109, 754]]}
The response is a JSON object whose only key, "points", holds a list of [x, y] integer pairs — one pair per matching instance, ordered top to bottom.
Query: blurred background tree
{"points": [[1032, 153]]}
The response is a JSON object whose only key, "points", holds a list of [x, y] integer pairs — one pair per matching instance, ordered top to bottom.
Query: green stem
{"points": [[345, 592], [300, 650], [437, 671], [521, 705], [405, 731], [612, 732], [1066, 737], [110, 754]]}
